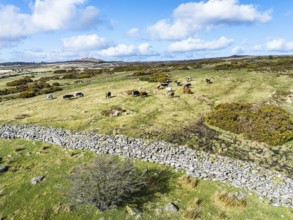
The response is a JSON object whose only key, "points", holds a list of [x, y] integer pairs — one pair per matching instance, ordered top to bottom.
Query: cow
{"points": [[208, 81], [178, 83], [162, 85], [187, 85], [169, 89], [187, 90], [129, 92], [135, 93], [78, 94], [108, 94], [143, 94], [171, 94], [50, 96], [68, 96]]}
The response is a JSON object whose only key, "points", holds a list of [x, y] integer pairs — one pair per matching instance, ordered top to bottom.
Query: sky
{"points": [[143, 30]]}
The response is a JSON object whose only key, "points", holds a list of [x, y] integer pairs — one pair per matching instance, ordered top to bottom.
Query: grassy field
{"points": [[156, 117], [19, 199]]}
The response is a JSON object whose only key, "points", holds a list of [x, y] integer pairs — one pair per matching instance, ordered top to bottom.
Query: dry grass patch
{"points": [[114, 111], [22, 116], [188, 182], [230, 199], [192, 211]]}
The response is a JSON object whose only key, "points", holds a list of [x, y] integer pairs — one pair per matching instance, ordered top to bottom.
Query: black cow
{"points": [[209, 81], [187, 85], [135, 93], [78, 94], [108, 94], [68, 96]]}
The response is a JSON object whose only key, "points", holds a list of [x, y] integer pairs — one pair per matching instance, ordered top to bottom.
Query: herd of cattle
{"points": [[166, 86]]}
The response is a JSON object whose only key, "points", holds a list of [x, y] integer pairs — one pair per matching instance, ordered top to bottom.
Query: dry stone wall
{"points": [[268, 184]]}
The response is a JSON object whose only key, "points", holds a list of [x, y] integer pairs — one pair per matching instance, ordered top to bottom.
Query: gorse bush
{"points": [[19, 82], [38, 88], [265, 123]]}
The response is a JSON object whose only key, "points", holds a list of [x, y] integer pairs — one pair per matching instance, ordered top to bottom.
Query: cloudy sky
{"points": [[131, 30]]}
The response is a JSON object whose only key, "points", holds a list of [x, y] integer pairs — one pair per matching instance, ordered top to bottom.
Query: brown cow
{"points": [[187, 91], [129, 92], [143, 94]]}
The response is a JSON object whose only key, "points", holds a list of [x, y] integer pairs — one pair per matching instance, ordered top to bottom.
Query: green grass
{"points": [[19, 199]]}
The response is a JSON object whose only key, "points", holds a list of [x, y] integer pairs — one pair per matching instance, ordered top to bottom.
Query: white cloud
{"points": [[46, 15], [190, 17], [13, 24], [133, 32], [85, 42], [195, 44], [279, 45], [257, 47], [118, 50], [124, 50], [146, 50], [237, 50]]}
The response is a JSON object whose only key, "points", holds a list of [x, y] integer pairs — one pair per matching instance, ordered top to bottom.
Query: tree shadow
{"points": [[157, 181]]}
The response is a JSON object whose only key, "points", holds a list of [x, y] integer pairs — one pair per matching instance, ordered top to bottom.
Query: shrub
{"points": [[60, 71], [73, 75], [159, 77], [20, 82], [27, 94], [265, 123], [106, 184]]}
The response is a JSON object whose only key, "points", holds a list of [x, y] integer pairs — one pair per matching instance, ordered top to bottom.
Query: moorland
{"points": [[239, 107]]}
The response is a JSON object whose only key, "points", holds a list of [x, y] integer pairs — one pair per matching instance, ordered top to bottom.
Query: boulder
{"points": [[4, 168], [37, 179], [171, 207]]}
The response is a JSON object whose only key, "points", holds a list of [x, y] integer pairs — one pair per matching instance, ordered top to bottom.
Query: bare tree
{"points": [[107, 183]]}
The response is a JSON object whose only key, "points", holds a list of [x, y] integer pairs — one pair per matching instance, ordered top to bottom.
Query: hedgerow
{"points": [[260, 122]]}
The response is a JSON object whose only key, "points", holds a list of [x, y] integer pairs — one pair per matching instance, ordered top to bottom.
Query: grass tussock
{"points": [[114, 111], [22, 116], [188, 181], [230, 200], [193, 210]]}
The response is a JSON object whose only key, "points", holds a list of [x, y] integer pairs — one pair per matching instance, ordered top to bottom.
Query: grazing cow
{"points": [[189, 79], [209, 81], [178, 83], [162, 85], [187, 85], [169, 89], [187, 91], [129, 92], [135, 93], [78, 94], [108, 94], [143, 94], [171, 94], [50, 96], [68, 96]]}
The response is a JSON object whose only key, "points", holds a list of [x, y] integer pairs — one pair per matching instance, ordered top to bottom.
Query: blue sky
{"points": [[133, 30]]}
